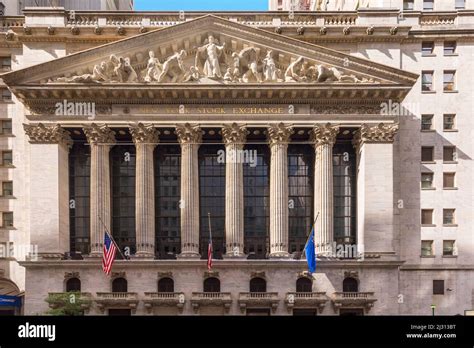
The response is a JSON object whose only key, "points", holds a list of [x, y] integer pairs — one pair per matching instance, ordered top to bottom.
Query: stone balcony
{"points": [[57, 299], [164, 299], [200, 299], [106, 300], [258, 300], [305, 300], [353, 300]]}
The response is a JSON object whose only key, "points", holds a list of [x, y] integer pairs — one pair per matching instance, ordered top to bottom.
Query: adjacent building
{"points": [[167, 128]]}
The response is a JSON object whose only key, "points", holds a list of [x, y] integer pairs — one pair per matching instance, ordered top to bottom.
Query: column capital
{"points": [[279, 133], [381, 133], [51, 134], [99, 134], [144, 134], [188, 134], [234, 134], [324, 134]]}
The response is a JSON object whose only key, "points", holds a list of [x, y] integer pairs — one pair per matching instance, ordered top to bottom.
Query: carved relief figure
{"points": [[362, 4], [320, 5], [340, 5], [210, 53], [174, 66], [153, 68], [269, 68], [296, 71], [98, 75]]}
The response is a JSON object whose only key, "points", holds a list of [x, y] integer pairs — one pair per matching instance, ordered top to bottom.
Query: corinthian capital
{"points": [[279, 133], [381, 133], [42, 134], [99, 134], [144, 134], [188, 134], [234, 134], [324, 134]]}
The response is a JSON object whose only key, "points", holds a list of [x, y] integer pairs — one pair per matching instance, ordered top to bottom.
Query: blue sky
{"points": [[201, 5]]}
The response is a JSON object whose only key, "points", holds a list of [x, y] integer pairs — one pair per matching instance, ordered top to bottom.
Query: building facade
{"points": [[249, 127]]}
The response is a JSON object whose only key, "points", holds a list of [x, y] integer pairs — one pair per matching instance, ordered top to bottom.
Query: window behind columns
{"points": [[300, 192], [79, 196], [123, 196], [167, 197], [212, 198], [345, 199], [257, 200]]}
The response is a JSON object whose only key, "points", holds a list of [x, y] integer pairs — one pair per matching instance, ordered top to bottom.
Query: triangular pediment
{"points": [[209, 50]]}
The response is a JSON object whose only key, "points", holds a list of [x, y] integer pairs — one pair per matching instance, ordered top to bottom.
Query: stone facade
{"points": [[364, 63]]}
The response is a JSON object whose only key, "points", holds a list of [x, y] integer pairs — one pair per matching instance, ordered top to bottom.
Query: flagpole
{"points": [[210, 231], [112, 238], [307, 240], [210, 241]]}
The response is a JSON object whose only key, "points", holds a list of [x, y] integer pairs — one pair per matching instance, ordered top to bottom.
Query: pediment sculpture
{"points": [[213, 63]]}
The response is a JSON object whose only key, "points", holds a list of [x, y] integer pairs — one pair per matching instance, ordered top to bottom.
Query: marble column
{"points": [[234, 137], [279, 137], [324, 137], [145, 138], [190, 138], [101, 139], [49, 189], [375, 191]]}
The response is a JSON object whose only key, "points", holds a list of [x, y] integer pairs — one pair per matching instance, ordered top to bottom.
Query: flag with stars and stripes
{"points": [[109, 254]]}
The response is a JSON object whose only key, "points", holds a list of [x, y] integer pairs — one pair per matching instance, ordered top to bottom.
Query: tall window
{"points": [[460, 4], [408, 5], [428, 5], [449, 47], [427, 48], [6, 63], [427, 81], [449, 81], [426, 122], [448, 122], [6, 127], [427, 153], [449, 153], [7, 158], [344, 164], [449, 180], [426, 181], [300, 186], [7, 188], [79, 196], [123, 196], [167, 197], [212, 198], [257, 203], [427, 216], [448, 216], [7, 219], [427, 248], [449, 248], [304, 284], [73, 285], [119, 285], [166, 285], [212, 285], [258, 285], [350, 285], [438, 287]]}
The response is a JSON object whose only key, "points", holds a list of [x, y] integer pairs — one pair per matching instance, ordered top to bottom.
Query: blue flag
{"points": [[310, 252]]}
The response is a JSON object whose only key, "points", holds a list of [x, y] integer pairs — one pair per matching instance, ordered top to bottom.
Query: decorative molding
{"points": [[344, 109], [279, 133], [381, 133], [41, 134], [99, 134], [144, 134], [188, 134], [234, 134], [324, 134], [211, 274], [257, 274], [351, 274], [69, 275], [118, 275], [165, 275]]}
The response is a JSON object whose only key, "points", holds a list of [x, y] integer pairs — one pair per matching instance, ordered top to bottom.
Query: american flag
{"points": [[109, 254], [209, 255]]}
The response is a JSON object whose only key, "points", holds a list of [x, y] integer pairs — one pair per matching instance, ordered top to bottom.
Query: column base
{"points": [[144, 255], [189, 255], [280, 255], [232, 256]]}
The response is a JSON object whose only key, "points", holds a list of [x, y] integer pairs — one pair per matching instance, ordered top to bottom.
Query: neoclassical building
{"points": [[167, 128]]}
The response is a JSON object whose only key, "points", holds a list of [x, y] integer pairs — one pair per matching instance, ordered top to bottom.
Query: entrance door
{"points": [[258, 311], [6, 312], [120, 312], [304, 312], [351, 312]]}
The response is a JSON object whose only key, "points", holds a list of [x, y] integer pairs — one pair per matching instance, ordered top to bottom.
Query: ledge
{"points": [[164, 299], [199, 299], [353, 299], [107, 300], [258, 300], [305, 300]]}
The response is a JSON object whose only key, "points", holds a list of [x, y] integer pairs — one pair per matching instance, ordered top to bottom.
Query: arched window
{"points": [[73, 285], [119, 285], [165, 285], [212, 285], [258, 285], [304, 285], [350, 285]]}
